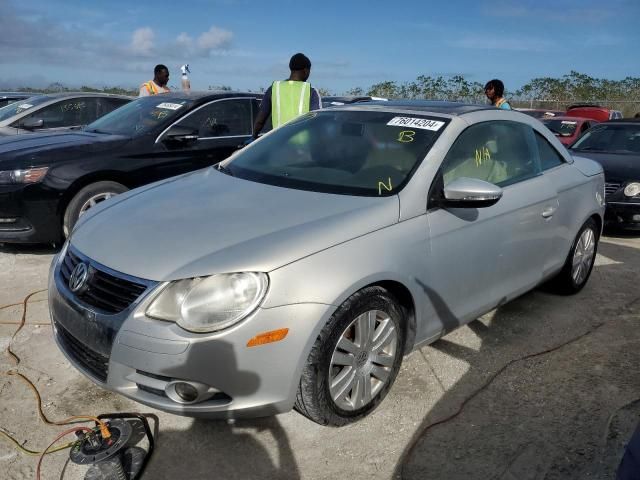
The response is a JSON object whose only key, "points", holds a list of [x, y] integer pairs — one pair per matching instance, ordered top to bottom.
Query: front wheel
{"points": [[86, 198], [577, 268], [355, 359]]}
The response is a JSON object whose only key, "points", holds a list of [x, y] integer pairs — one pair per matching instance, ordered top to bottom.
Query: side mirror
{"points": [[32, 123], [178, 134], [466, 192]]}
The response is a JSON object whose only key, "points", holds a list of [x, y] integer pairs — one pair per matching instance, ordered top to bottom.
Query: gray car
{"points": [[57, 111], [301, 270]]}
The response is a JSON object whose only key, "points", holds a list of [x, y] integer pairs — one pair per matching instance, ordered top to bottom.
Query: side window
{"points": [[108, 105], [256, 109], [66, 113], [223, 118], [497, 152], [549, 156]]}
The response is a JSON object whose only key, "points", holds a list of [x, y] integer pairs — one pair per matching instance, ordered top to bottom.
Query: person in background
{"points": [[158, 84], [494, 90], [287, 99]]}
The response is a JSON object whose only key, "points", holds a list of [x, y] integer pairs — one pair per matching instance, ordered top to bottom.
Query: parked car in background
{"points": [[9, 97], [345, 100], [57, 112], [540, 112], [596, 112], [568, 129], [616, 146], [47, 181], [301, 270]]}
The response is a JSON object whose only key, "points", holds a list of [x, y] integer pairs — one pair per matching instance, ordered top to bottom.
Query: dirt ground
{"points": [[564, 414]]}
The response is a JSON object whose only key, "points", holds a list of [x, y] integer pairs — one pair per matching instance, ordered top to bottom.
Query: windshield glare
{"points": [[21, 106], [140, 116], [563, 128], [611, 138], [343, 152]]}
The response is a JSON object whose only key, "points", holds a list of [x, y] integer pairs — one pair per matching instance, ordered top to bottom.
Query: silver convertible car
{"points": [[299, 272]]}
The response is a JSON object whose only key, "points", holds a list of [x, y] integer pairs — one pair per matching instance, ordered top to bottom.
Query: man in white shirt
{"points": [[158, 84]]}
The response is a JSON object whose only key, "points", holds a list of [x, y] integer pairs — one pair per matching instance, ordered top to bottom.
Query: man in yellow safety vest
{"points": [[158, 84], [287, 99]]}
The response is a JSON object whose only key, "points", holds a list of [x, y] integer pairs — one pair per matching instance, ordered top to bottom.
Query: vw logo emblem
{"points": [[78, 282]]}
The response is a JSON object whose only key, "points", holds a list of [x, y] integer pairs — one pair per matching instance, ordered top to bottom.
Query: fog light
{"points": [[636, 218], [8, 220], [186, 392]]}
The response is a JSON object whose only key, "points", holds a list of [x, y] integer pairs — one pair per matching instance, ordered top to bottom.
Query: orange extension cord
{"points": [[104, 430]]}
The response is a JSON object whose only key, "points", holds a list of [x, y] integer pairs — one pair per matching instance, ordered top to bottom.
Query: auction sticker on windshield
{"points": [[24, 106], [169, 106], [415, 122]]}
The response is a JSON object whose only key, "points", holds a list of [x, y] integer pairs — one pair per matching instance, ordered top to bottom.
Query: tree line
{"points": [[542, 92]]}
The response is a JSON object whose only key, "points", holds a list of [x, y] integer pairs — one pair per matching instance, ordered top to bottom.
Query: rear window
{"points": [[561, 128], [343, 152]]}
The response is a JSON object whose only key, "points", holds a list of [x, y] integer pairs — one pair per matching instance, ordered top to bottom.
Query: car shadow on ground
{"points": [[29, 249], [547, 417], [219, 449]]}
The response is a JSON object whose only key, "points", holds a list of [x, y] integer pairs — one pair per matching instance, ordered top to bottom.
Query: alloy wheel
{"points": [[362, 360]]}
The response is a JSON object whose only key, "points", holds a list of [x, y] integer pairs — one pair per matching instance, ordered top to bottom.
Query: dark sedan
{"points": [[9, 97], [57, 112], [616, 145], [47, 181]]}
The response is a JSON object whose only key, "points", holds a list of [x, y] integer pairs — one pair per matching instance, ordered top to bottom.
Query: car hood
{"points": [[43, 148], [618, 167], [208, 222]]}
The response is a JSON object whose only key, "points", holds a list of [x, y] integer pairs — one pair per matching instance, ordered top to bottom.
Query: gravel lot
{"points": [[565, 414]]}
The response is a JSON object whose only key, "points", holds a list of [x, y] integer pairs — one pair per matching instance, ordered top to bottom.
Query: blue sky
{"points": [[247, 44]]}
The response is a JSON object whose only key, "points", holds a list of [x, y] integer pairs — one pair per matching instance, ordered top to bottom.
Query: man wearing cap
{"points": [[288, 99]]}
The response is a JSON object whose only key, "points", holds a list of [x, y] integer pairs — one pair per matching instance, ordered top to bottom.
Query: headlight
{"points": [[31, 175], [632, 190], [211, 303]]}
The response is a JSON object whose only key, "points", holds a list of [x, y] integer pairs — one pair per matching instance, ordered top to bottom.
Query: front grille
{"points": [[611, 188], [106, 292], [94, 362]]}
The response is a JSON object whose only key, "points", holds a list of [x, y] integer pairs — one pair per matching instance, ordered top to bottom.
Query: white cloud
{"points": [[214, 38], [142, 41]]}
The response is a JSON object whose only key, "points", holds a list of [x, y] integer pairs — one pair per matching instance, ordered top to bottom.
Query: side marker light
{"points": [[268, 337]]}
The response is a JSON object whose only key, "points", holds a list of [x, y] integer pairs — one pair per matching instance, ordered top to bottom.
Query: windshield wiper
{"points": [[223, 169]]}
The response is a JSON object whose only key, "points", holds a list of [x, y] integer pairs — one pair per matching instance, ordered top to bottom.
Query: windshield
{"points": [[21, 106], [140, 116], [561, 128], [611, 138], [344, 152]]}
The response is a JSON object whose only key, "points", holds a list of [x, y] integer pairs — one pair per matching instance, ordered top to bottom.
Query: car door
{"points": [[63, 115], [222, 127], [562, 179], [482, 257]]}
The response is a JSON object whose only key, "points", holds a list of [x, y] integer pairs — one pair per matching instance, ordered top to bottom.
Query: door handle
{"points": [[548, 212]]}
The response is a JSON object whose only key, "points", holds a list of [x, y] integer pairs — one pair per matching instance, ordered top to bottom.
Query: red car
{"points": [[601, 114], [568, 129]]}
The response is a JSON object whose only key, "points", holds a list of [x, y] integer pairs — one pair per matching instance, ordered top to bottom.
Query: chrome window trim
{"points": [[202, 106]]}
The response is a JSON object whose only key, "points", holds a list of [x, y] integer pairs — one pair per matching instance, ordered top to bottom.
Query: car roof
{"points": [[16, 94], [78, 94], [205, 95], [426, 106], [568, 118], [623, 120]]}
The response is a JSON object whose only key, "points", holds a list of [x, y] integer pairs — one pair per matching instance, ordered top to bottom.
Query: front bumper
{"points": [[28, 214], [623, 215], [145, 356]]}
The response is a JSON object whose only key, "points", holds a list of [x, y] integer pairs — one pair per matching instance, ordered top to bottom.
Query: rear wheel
{"points": [[86, 198], [577, 268], [354, 360]]}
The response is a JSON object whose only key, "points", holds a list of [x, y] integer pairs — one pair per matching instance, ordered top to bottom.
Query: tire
{"points": [[86, 198], [577, 268], [366, 364]]}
